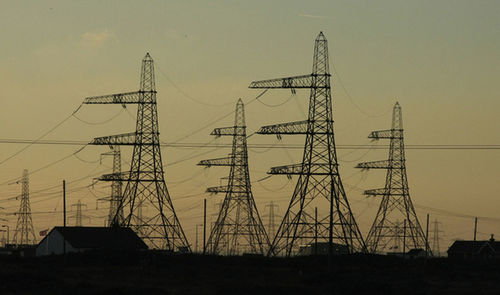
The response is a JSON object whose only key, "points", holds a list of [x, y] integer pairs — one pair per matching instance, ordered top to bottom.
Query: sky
{"points": [[439, 59]]}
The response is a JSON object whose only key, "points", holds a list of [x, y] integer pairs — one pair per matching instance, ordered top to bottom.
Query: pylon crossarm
{"points": [[304, 81], [118, 98], [298, 127], [228, 131], [387, 134], [120, 139], [216, 162], [384, 164], [294, 169], [122, 176], [217, 189], [387, 192]]}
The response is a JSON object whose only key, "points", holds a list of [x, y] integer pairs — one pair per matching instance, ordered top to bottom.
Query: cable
{"points": [[189, 96], [352, 100], [277, 105], [102, 122], [42, 136]]}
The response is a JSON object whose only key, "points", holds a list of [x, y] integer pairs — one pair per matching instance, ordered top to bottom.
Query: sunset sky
{"points": [[439, 59]]}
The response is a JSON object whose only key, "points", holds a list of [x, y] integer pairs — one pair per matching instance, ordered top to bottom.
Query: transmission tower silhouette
{"points": [[319, 184], [116, 185], [396, 202], [78, 215], [271, 224], [158, 226], [238, 228], [25, 233], [435, 238]]}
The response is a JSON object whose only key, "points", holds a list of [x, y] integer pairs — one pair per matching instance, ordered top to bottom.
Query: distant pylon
{"points": [[319, 184], [116, 186], [396, 202], [78, 215], [271, 223], [158, 226], [238, 228], [25, 233], [435, 238]]}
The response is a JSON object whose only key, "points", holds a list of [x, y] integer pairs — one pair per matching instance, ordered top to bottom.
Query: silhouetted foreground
{"points": [[159, 273]]}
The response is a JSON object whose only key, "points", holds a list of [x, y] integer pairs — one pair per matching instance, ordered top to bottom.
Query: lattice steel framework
{"points": [[319, 184], [116, 185], [396, 203], [158, 226], [238, 228], [25, 233]]}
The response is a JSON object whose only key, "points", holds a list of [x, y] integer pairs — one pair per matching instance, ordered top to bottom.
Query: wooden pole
{"points": [[64, 216], [204, 226]]}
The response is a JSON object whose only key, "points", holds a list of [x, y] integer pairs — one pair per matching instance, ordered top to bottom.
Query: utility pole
{"points": [[318, 175], [145, 182], [395, 196], [64, 216], [204, 226], [238, 228], [315, 230], [25, 233], [404, 236], [427, 236]]}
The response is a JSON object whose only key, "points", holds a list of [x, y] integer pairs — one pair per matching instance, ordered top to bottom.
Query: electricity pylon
{"points": [[319, 184], [116, 186], [396, 202], [78, 215], [271, 224], [158, 226], [238, 228], [25, 233], [435, 238]]}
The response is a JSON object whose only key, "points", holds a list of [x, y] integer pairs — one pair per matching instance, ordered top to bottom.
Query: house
{"points": [[81, 239], [489, 249]]}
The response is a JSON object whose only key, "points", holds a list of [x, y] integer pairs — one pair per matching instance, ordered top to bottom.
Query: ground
{"points": [[163, 273]]}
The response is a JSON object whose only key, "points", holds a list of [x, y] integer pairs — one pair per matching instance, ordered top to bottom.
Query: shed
{"points": [[81, 239], [475, 249]]}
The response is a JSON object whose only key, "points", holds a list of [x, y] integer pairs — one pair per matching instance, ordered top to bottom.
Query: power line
{"points": [[177, 144]]}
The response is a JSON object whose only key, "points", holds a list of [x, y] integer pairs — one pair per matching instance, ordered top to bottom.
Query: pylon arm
{"points": [[304, 81], [118, 98], [298, 127], [228, 131], [387, 134], [120, 139], [216, 162], [384, 164], [293, 169], [299, 169], [122, 176], [225, 189], [387, 192]]}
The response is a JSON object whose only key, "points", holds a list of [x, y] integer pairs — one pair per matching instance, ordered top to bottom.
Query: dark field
{"points": [[159, 273]]}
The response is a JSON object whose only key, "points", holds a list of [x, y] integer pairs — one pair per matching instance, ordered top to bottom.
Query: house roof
{"points": [[101, 237], [473, 246]]}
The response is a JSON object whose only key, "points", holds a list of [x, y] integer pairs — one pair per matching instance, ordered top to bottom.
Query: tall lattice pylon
{"points": [[319, 184], [116, 186], [396, 203], [78, 216], [158, 226], [238, 228], [25, 233]]}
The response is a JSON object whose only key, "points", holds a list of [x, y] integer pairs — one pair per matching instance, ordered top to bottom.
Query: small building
{"points": [[81, 239], [322, 248], [489, 249]]}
